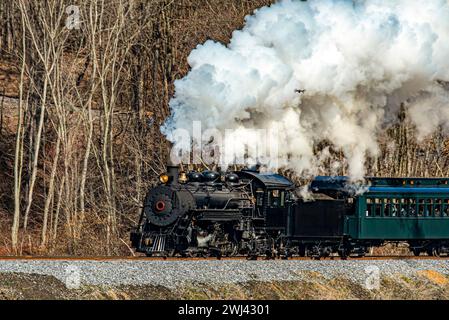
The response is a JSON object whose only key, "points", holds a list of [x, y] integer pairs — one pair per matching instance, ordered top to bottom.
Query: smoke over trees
{"points": [[339, 71], [81, 107]]}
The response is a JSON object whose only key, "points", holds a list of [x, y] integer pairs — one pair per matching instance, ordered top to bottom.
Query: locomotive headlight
{"points": [[163, 178]]}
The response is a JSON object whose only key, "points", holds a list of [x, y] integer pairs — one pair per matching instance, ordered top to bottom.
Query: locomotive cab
{"points": [[273, 197]]}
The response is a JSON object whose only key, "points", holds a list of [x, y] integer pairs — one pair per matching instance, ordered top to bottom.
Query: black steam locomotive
{"points": [[262, 214]]}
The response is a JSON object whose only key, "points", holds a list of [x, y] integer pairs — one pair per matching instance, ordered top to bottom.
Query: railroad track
{"points": [[142, 258]]}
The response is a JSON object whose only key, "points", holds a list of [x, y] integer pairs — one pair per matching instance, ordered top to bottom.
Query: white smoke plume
{"points": [[356, 60]]}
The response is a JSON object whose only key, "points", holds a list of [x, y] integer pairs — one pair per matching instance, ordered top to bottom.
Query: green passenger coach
{"points": [[392, 209]]}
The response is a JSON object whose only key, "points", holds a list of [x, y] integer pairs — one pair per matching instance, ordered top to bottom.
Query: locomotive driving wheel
{"points": [[302, 250], [433, 251], [436, 252], [344, 253]]}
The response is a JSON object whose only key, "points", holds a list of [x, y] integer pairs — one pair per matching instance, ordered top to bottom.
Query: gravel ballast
{"points": [[172, 274]]}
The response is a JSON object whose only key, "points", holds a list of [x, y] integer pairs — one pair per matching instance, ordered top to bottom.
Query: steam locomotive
{"points": [[263, 214]]}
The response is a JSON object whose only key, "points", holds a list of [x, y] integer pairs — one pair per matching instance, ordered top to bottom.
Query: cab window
{"points": [[259, 197], [277, 198]]}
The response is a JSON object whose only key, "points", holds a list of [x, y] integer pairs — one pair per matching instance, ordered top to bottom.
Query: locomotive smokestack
{"points": [[172, 169], [173, 173]]}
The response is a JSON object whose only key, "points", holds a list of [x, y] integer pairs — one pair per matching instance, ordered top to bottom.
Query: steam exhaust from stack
{"points": [[321, 70], [172, 168]]}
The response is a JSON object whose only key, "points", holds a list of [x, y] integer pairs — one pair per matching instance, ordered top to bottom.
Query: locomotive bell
{"points": [[183, 177]]}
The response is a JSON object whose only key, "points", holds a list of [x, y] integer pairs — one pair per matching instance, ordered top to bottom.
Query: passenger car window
{"points": [[378, 204], [369, 207], [387, 207], [395, 207], [421, 207], [437, 208], [445, 208], [428, 210], [411, 212]]}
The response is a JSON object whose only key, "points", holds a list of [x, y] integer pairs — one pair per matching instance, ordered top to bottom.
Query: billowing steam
{"points": [[356, 60]]}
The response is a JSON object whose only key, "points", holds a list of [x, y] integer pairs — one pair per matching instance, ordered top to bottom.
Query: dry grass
{"points": [[435, 277], [425, 286]]}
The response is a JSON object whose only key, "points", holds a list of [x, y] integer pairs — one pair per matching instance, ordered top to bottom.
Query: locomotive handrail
{"points": [[229, 200]]}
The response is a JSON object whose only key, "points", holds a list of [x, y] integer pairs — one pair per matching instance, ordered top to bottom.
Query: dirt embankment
{"points": [[427, 285]]}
